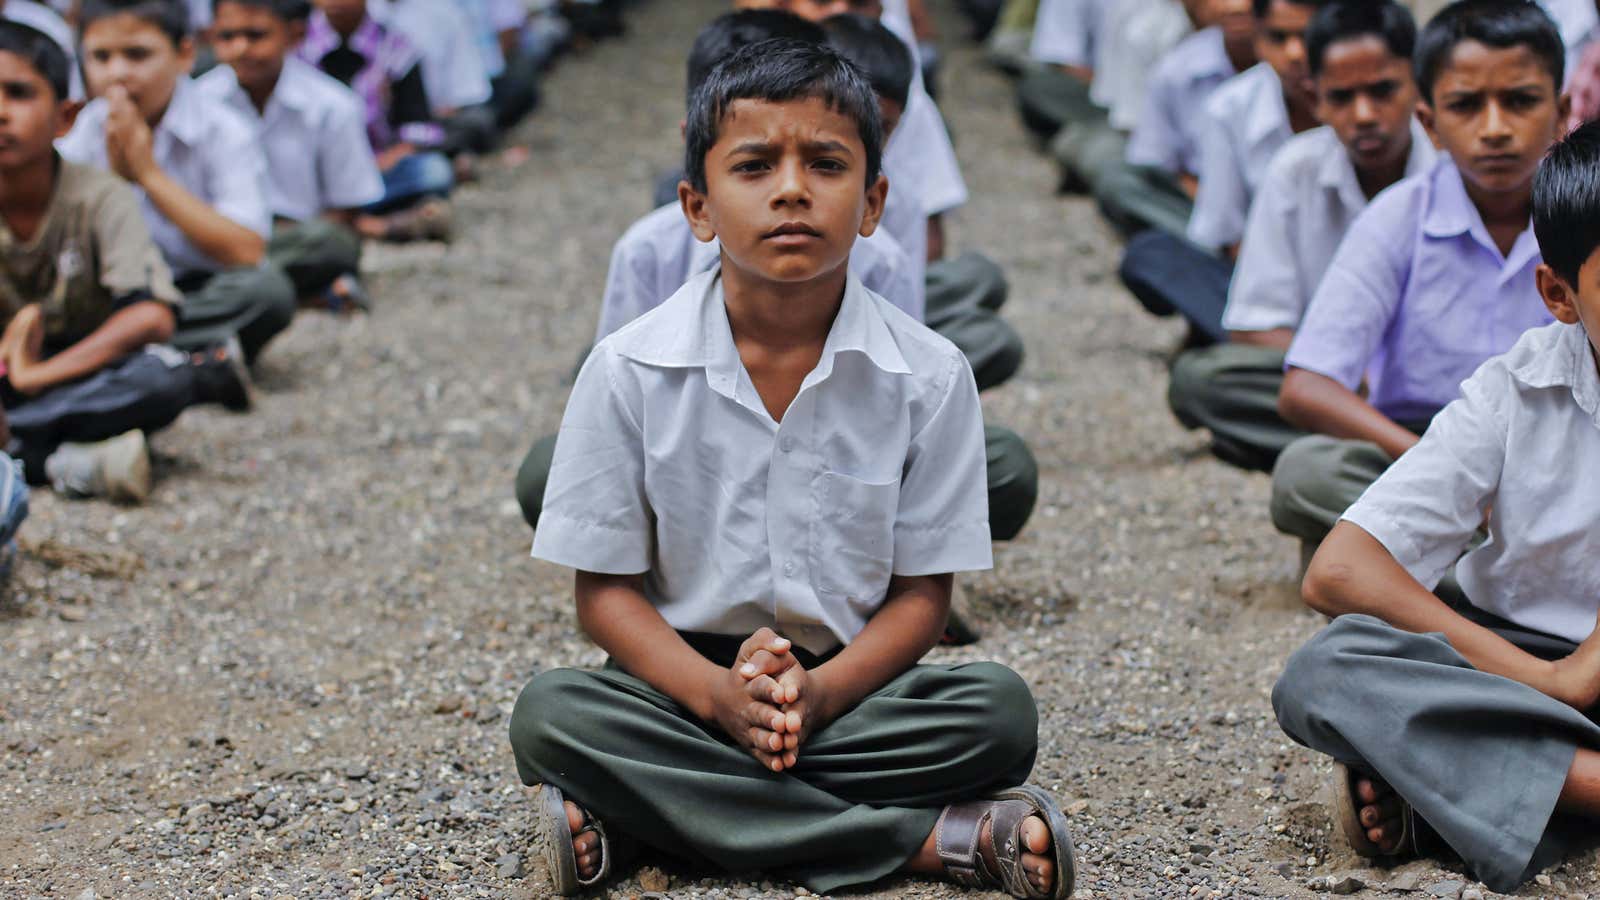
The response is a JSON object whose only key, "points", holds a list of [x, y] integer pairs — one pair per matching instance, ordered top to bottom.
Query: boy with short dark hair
{"points": [[1359, 53], [313, 130], [201, 177], [1436, 275], [85, 298], [764, 620], [1474, 725]]}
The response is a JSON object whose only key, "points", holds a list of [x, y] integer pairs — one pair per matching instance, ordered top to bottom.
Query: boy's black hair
{"points": [[1259, 8], [287, 10], [171, 16], [1346, 20], [1494, 23], [730, 32], [40, 51], [875, 51], [780, 71], [1566, 202]]}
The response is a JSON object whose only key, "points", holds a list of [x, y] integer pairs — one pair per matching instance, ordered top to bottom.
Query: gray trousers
{"points": [[1049, 98], [1089, 151], [1134, 198], [314, 254], [964, 295], [253, 305], [1232, 390], [1316, 479], [1480, 758], [865, 795]]}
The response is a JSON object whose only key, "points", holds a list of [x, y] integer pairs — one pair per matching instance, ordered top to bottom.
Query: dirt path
{"points": [[303, 688]]}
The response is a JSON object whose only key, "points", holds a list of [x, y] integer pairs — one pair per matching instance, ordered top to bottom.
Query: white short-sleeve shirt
{"points": [[43, 19], [1065, 32], [1138, 33], [453, 70], [1245, 123], [315, 136], [1167, 136], [921, 145], [206, 147], [1308, 199], [659, 253], [1520, 445], [668, 464]]}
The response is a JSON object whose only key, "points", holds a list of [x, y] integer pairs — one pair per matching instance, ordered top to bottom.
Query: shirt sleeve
{"points": [[1061, 33], [1156, 139], [85, 144], [346, 167], [237, 177], [1224, 198], [130, 262], [885, 270], [630, 286], [1265, 293], [1359, 294], [1426, 508], [596, 515], [942, 524]]}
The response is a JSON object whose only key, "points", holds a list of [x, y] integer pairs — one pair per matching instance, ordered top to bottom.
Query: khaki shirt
{"points": [[91, 253]]}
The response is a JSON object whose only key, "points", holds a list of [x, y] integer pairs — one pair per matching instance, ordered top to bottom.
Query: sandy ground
{"points": [[289, 674]]}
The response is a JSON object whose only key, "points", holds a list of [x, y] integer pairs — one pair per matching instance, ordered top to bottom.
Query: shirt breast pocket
{"points": [[852, 536]]}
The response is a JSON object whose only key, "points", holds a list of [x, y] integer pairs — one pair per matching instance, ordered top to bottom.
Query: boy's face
{"points": [[817, 10], [344, 15], [254, 41], [1281, 44], [128, 51], [1366, 94], [1496, 112], [31, 116], [785, 190], [1575, 304]]}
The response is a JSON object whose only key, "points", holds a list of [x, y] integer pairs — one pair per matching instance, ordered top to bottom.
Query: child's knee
{"points": [[532, 476], [1013, 476], [1328, 665], [552, 699], [1010, 724]]}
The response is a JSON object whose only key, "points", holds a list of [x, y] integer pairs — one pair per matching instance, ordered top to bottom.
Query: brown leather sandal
{"points": [[960, 827]]}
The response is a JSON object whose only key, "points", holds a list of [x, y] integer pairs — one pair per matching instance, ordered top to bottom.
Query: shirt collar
{"points": [[1266, 115], [184, 120], [1338, 173], [1451, 213], [1567, 362]]}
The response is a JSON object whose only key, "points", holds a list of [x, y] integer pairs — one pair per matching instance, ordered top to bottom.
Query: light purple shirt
{"points": [[1168, 134], [1417, 297]]}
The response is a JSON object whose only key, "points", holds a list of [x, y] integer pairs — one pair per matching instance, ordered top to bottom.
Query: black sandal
{"points": [[1347, 812], [960, 826], [556, 836]]}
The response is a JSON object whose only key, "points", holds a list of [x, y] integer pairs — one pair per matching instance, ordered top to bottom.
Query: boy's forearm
{"points": [[217, 236], [146, 322], [1276, 338], [1319, 404], [614, 613], [902, 631]]}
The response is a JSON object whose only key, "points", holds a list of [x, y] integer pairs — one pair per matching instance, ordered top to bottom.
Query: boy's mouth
{"points": [[795, 231]]}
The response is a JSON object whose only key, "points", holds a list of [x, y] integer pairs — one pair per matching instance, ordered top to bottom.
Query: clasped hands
{"points": [[769, 703]]}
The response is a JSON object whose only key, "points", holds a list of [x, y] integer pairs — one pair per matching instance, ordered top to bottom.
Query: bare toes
{"points": [[574, 816], [1035, 835]]}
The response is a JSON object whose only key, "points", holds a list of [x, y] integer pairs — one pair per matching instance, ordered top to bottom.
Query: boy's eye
{"points": [[137, 54], [1383, 90], [1340, 97], [1521, 100], [1464, 104], [829, 165], [750, 166]]}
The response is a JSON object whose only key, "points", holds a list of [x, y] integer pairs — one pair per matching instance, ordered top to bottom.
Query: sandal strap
{"points": [[957, 839]]}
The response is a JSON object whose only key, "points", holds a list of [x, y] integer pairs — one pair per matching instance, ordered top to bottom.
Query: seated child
{"points": [[497, 25], [1360, 58], [385, 70], [453, 71], [1055, 89], [1246, 121], [313, 130], [201, 176], [1155, 185], [1436, 275], [85, 299], [755, 644], [1474, 726]]}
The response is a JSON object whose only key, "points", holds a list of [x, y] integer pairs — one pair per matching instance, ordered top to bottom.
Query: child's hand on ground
{"points": [[130, 146], [1575, 680], [742, 698]]}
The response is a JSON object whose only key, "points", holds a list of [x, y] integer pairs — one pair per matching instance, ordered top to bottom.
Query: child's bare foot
{"points": [[1379, 809], [1036, 845], [585, 846]]}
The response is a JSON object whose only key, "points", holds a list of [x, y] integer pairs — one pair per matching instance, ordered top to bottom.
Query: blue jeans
{"points": [[414, 178], [13, 503]]}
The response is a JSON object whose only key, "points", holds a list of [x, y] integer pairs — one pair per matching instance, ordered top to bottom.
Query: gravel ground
{"points": [[289, 673]]}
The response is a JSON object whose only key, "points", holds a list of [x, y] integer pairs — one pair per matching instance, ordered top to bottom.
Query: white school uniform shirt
{"points": [[200, 14], [46, 20], [1579, 24], [1065, 32], [1138, 33], [453, 71], [1246, 122], [314, 133], [1167, 136], [206, 147], [920, 147], [1308, 199], [904, 216], [659, 253], [1523, 443], [668, 464]]}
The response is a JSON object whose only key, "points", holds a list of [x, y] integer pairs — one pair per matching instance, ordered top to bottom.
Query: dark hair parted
{"points": [[1259, 8], [287, 10], [171, 16], [1346, 20], [1500, 24], [734, 31], [38, 50], [881, 56], [781, 71], [1566, 202]]}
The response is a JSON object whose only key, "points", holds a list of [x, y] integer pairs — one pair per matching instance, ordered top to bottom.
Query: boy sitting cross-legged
{"points": [[314, 132], [85, 298], [764, 485], [1476, 724]]}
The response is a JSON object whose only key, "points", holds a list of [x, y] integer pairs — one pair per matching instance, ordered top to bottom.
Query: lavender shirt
{"points": [[1417, 297]]}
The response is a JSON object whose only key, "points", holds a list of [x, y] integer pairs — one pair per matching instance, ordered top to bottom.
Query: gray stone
{"points": [[509, 866], [1444, 889]]}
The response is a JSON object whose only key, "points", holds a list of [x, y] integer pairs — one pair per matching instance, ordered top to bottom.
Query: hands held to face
{"points": [[130, 144], [768, 703]]}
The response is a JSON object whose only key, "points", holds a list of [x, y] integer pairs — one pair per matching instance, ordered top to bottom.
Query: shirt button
{"points": [[786, 444], [788, 568]]}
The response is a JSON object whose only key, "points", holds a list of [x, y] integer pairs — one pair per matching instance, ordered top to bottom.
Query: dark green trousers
{"points": [[1049, 98], [1089, 151], [1134, 198], [314, 254], [964, 296], [254, 305], [1232, 390], [1317, 478], [1013, 481], [864, 796]]}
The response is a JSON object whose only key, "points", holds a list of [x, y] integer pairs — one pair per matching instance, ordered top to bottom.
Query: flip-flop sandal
{"points": [[1347, 812], [960, 826], [555, 836]]}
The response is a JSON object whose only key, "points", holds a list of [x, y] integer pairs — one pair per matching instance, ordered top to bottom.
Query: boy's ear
{"points": [[297, 32], [186, 54], [1563, 113], [67, 116], [1425, 116], [877, 196], [696, 211], [1557, 294]]}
